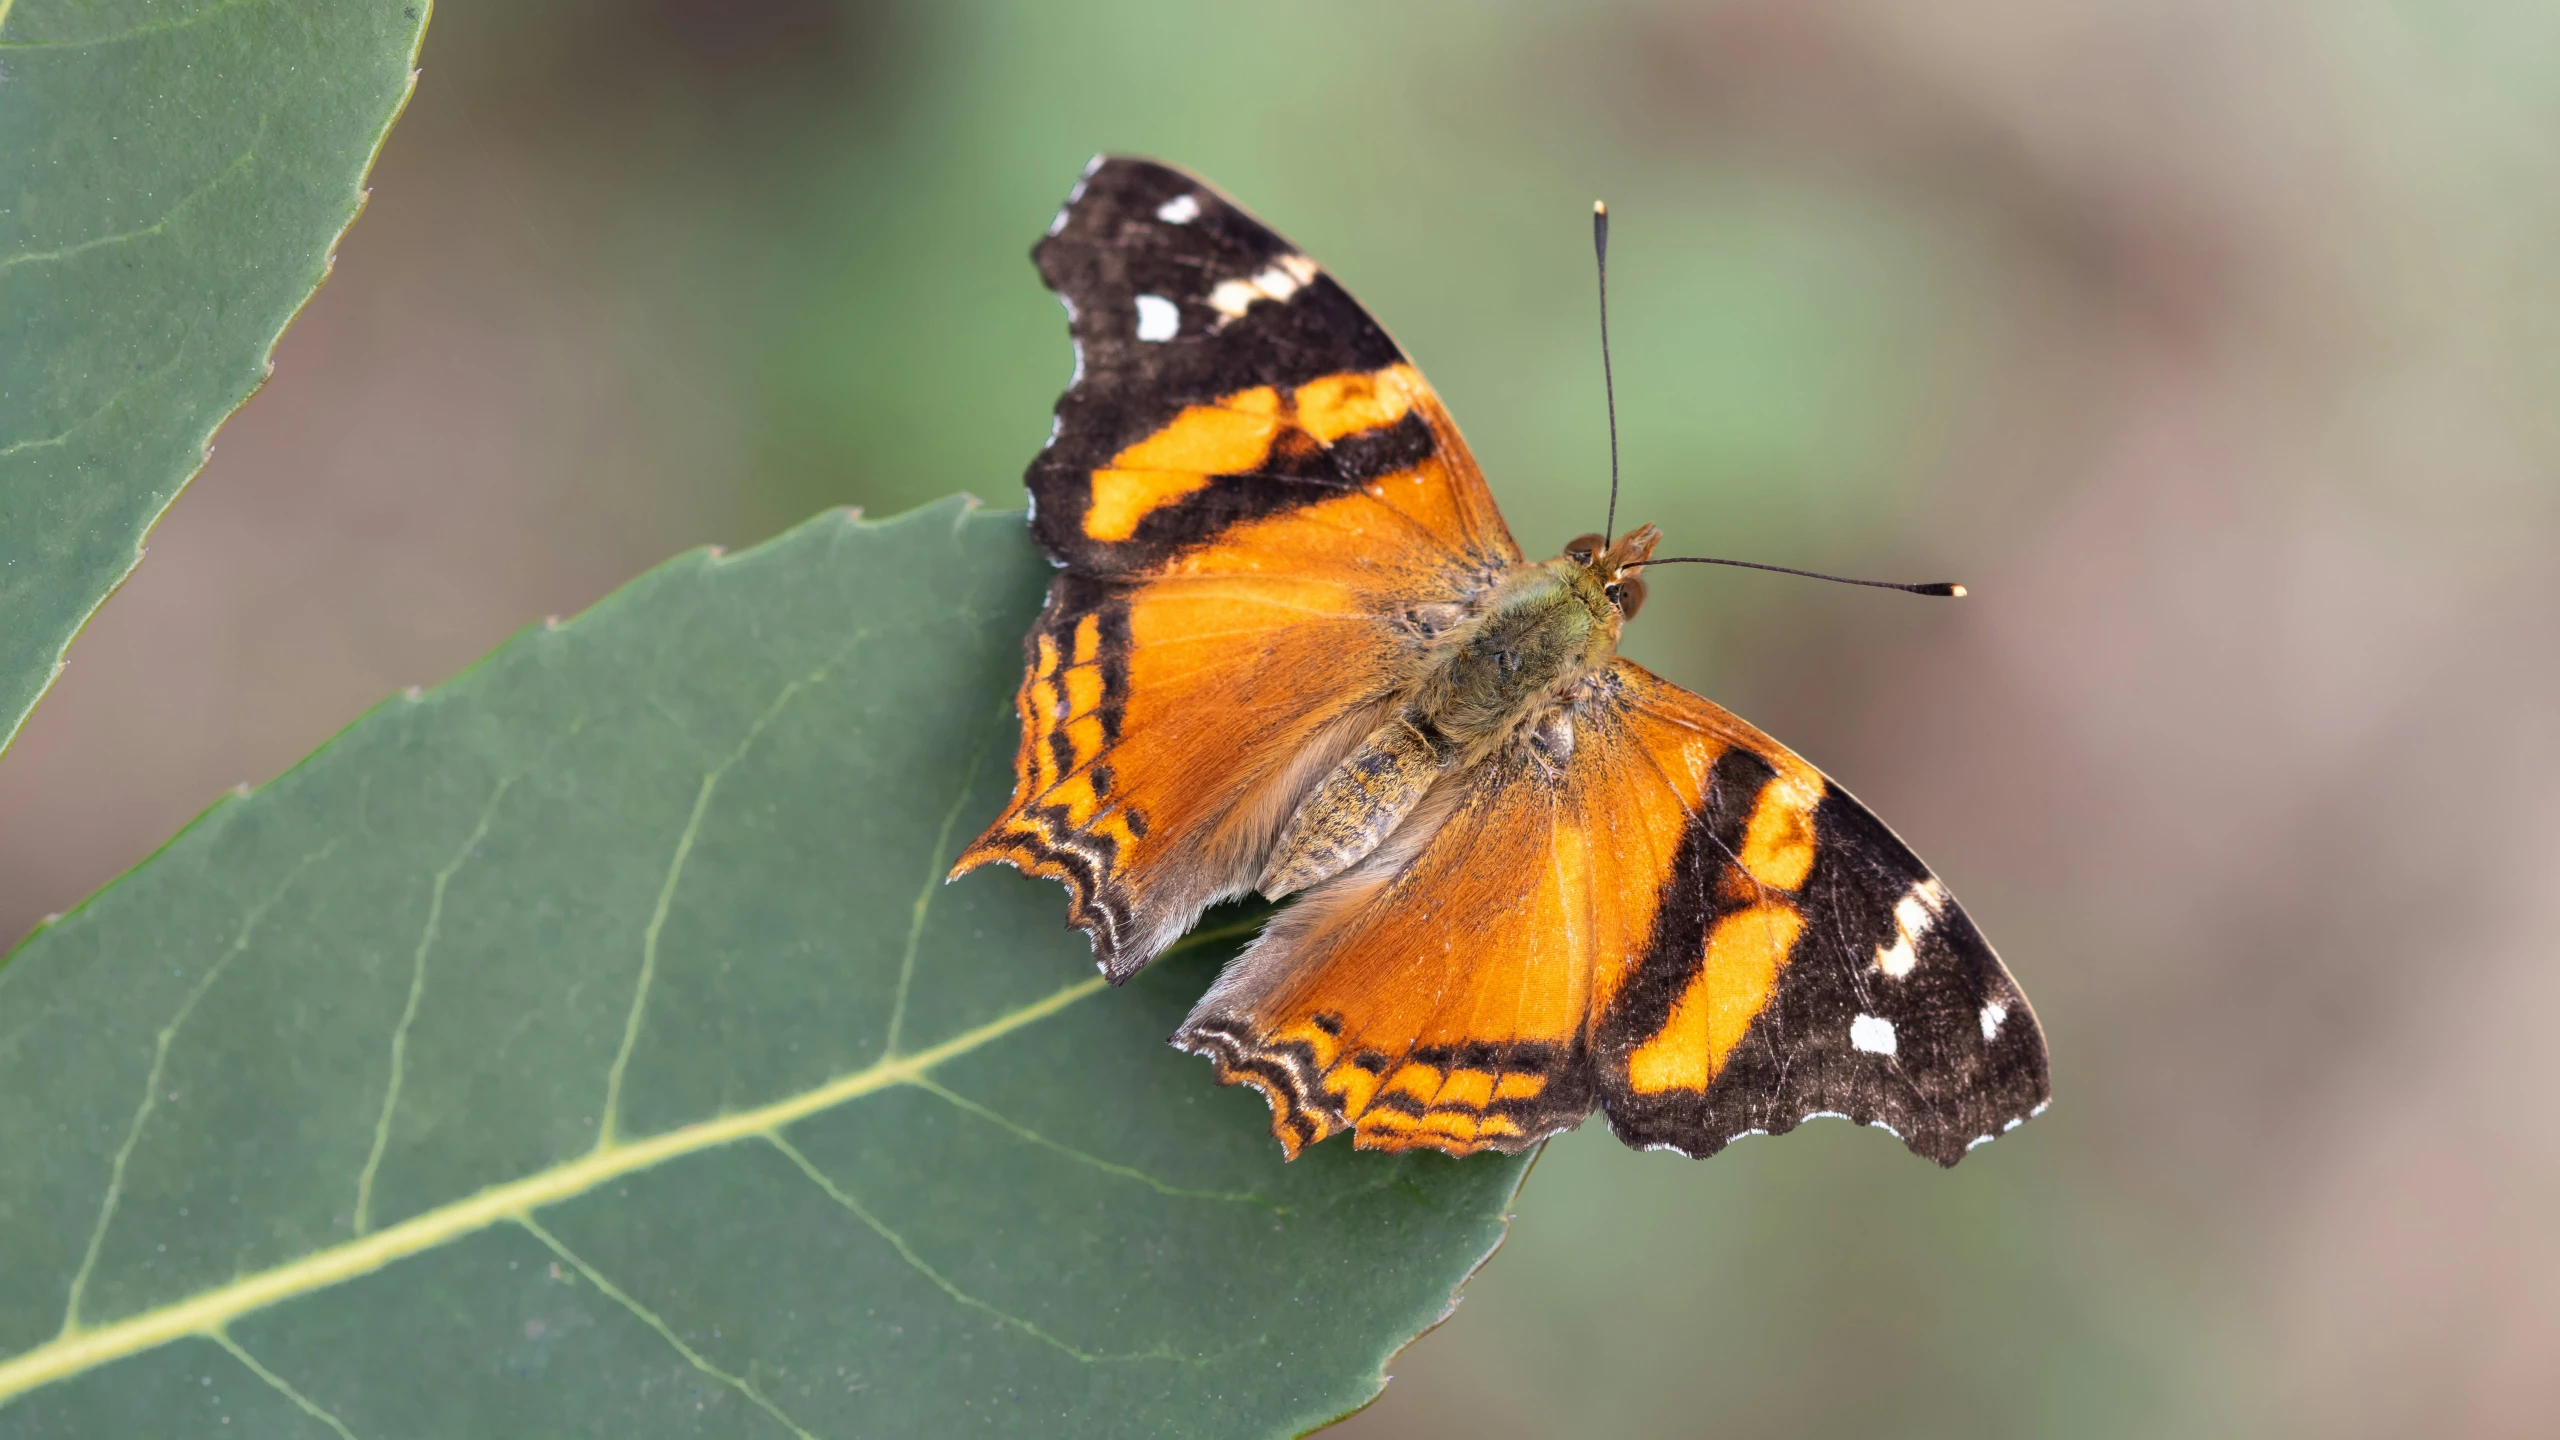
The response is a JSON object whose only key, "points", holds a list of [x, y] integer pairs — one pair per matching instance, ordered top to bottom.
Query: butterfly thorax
{"points": [[1545, 628], [1505, 672]]}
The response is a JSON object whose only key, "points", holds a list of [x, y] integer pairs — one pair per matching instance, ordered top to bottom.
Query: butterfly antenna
{"points": [[1608, 381], [1609, 388], [1934, 587]]}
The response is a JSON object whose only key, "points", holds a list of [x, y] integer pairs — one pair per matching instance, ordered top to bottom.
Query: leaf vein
{"points": [[119, 37], [100, 242], [63, 437], [935, 865], [409, 1011], [151, 1087], [612, 1108], [1109, 1167], [942, 1283], [206, 1311], [650, 1318], [282, 1386]]}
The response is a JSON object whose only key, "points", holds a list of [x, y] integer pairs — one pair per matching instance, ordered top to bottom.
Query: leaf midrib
{"points": [[207, 1312]]}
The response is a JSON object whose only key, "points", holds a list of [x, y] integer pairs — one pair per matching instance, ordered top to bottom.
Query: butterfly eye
{"points": [[1581, 548], [1628, 596]]}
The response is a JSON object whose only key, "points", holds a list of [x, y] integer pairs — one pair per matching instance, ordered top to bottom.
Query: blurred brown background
{"points": [[2214, 345]]}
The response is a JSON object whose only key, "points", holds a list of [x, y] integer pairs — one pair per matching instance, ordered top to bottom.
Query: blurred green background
{"points": [[2212, 344]]}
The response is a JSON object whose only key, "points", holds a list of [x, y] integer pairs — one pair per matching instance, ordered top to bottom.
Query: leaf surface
{"points": [[173, 179], [590, 1046]]}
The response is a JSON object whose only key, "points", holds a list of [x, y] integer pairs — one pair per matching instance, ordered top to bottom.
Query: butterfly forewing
{"points": [[1804, 962]]}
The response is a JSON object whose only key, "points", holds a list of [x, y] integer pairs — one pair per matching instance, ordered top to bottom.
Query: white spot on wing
{"points": [[1180, 210], [1278, 281], [1157, 318], [1913, 914], [1992, 1015], [1873, 1034]]}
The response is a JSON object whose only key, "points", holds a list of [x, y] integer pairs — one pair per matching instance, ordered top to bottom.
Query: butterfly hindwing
{"points": [[1248, 485], [1437, 995]]}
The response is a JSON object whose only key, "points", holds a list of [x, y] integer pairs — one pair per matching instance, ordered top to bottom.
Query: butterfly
{"points": [[1293, 649]]}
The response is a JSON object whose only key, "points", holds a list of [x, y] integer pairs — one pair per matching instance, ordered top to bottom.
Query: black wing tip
{"points": [[1131, 160], [1112, 175], [1144, 182]]}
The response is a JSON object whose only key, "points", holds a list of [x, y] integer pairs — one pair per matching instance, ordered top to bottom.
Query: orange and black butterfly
{"points": [[1292, 648]]}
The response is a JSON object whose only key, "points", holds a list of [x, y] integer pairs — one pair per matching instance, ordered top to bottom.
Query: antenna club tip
{"points": [[1599, 207], [1948, 588]]}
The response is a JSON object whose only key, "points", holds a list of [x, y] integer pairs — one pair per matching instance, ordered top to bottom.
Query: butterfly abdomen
{"points": [[1357, 806]]}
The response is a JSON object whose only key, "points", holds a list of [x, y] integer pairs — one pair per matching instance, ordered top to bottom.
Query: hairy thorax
{"points": [[1500, 672]]}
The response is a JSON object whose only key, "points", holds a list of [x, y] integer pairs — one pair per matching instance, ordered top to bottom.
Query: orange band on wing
{"points": [[1340, 405], [1236, 435], [1203, 442], [1777, 846], [1745, 952]]}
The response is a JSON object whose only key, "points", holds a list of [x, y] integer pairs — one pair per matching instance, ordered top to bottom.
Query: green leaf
{"points": [[173, 179], [592, 1046]]}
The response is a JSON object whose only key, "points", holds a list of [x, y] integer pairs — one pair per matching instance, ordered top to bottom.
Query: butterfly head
{"points": [[1611, 567]]}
